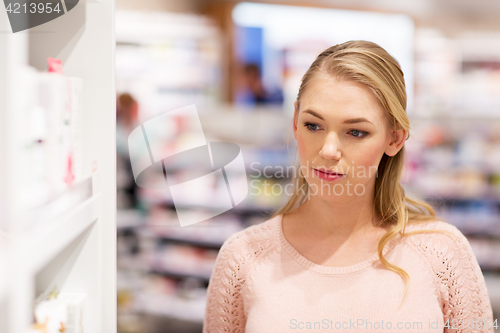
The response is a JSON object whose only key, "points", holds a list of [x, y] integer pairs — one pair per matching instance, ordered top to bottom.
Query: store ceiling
{"points": [[451, 16]]}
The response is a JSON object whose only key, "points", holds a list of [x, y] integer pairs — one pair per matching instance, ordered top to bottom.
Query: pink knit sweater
{"points": [[261, 284]]}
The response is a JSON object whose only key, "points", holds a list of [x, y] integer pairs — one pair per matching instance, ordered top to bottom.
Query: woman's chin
{"points": [[341, 190]]}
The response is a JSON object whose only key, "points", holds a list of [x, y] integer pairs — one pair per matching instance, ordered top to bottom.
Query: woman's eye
{"points": [[312, 127], [355, 133], [358, 134]]}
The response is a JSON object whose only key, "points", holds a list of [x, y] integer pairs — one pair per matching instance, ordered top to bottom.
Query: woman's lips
{"points": [[328, 176]]}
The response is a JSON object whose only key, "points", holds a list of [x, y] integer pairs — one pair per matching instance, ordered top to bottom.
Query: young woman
{"points": [[349, 251]]}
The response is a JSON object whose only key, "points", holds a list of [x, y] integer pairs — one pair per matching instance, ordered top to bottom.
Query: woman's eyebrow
{"points": [[348, 121]]}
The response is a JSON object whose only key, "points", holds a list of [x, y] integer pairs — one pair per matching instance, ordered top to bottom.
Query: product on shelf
{"points": [[55, 65], [61, 99], [50, 150], [61, 312]]}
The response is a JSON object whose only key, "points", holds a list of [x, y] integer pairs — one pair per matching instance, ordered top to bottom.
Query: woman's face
{"points": [[342, 127]]}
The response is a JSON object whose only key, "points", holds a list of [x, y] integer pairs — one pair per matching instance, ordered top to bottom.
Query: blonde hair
{"points": [[368, 63]]}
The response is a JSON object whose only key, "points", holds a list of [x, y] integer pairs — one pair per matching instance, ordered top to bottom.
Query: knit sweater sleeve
{"points": [[459, 281], [225, 307]]}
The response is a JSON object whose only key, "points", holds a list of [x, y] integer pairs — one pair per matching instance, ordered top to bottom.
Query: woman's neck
{"points": [[338, 219]]}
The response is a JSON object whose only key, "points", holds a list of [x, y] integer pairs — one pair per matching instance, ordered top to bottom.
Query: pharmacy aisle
{"points": [[179, 59], [163, 268]]}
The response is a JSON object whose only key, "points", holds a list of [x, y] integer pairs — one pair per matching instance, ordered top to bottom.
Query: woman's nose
{"points": [[330, 149]]}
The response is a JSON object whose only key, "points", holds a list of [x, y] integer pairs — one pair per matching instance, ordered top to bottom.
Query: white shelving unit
{"points": [[73, 249]]}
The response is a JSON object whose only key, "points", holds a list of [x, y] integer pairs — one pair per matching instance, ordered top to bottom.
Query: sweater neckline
{"points": [[278, 225]]}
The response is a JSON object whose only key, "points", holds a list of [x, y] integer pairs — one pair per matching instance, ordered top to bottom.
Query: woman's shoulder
{"points": [[433, 229], [438, 241], [250, 244], [455, 269]]}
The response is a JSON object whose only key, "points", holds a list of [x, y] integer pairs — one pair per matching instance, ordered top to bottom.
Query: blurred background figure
{"points": [[253, 91], [127, 110]]}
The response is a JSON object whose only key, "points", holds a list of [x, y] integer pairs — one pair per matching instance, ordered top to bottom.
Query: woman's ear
{"points": [[295, 118], [398, 138]]}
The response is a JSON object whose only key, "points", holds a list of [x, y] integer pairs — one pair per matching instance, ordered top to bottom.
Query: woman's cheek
{"points": [[301, 147], [303, 150], [367, 163]]}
